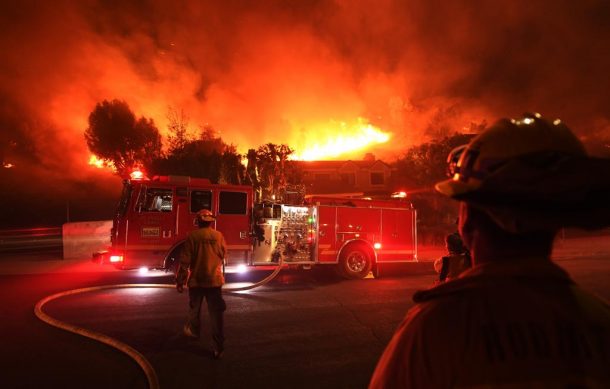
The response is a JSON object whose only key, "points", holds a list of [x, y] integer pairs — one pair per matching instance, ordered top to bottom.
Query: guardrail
{"points": [[31, 239]]}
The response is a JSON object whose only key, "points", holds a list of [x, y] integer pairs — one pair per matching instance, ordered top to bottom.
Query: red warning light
{"points": [[136, 175], [399, 195]]}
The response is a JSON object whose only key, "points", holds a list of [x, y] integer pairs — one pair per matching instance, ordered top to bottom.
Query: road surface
{"points": [[305, 329]]}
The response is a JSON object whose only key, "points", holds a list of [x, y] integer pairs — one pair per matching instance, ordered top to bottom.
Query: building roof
{"points": [[334, 165]]}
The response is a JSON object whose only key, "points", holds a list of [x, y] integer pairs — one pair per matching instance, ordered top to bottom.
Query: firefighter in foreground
{"points": [[201, 269], [515, 320]]}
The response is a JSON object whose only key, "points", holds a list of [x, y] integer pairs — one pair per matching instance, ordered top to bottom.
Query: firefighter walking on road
{"points": [[200, 268], [516, 319]]}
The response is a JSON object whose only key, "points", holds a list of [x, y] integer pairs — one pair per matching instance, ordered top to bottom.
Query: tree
{"points": [[177, 127], [115, 135], [206, 157], [194, 159], [426, 164], [272, 168], [420, 168], [232, 170], [251, 176]]}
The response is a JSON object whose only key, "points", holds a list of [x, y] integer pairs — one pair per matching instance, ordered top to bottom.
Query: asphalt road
{"points": [[305, 329]]}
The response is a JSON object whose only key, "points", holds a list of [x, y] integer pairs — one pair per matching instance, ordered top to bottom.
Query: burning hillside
{"points": [[300, 73], [339, 139]]}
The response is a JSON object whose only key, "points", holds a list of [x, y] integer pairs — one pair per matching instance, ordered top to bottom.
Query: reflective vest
{"points": [[201, 258]]}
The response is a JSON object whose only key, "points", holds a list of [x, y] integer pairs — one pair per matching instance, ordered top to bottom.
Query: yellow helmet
{"points": [[507, 139], [206, 215]]}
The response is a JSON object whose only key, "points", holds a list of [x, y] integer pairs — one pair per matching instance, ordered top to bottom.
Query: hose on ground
{"points": [[261, 282], [151, 375]]}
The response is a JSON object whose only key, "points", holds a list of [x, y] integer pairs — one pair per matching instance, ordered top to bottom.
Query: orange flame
{"points": [[339, 138], [101, 163]]}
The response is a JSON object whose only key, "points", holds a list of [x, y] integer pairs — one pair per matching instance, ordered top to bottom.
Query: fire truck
{"points": [[356, 236]]}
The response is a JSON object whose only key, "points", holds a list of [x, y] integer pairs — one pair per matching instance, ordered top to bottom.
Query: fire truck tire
{"points": [[173, 260], [355, 262]]}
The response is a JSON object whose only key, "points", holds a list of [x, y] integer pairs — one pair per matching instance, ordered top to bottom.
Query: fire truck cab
{"points": [[154, 217], [354, 235]]}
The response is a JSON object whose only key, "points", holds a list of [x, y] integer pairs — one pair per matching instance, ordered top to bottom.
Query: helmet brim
{"points": [[455, 188], [537, 193]]}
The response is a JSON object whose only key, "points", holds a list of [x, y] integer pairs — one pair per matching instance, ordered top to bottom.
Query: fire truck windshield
{"points": [[155, 200], [124, 201]]}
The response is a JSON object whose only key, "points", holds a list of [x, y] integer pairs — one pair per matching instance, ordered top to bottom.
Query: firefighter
{"points": [[457, 261], [200, 268], [515, 319]]}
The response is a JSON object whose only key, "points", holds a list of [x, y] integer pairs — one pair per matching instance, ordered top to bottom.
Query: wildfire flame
{"points": [[339, 138], [321, 142], [101, 163], [8, 165]]}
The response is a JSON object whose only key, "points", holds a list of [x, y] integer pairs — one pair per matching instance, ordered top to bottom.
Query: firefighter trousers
{"points": [[216, 307]]}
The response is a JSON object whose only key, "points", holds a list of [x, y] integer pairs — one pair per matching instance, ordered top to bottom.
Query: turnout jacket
{"points": [[201, 259], [512, 324]]}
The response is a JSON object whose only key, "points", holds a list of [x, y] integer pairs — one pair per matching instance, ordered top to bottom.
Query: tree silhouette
{"points": [[178, 134], [115, 135], [206, 157], [272, 162], [426, 164], [232, 170], [417, 171], [251, 177]]}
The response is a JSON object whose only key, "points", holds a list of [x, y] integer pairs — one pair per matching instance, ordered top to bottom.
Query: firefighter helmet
{"points": [[471, 165], [531, 174], [205, 215], [454, 243]]}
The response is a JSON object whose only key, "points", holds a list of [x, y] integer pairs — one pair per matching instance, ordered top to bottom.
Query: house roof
{"points": [[335, 165]]}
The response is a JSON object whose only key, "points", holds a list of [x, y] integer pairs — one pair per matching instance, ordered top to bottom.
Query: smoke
{"points": [[272, 71]]}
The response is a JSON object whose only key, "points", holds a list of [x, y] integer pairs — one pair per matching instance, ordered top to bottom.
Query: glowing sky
{"points": [[287, 71]]}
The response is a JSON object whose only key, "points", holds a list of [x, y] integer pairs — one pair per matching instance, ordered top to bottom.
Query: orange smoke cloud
{"points": [[284, 72]]}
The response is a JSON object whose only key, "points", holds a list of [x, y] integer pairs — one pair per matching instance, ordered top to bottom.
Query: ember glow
{"points": [[339, 139]]}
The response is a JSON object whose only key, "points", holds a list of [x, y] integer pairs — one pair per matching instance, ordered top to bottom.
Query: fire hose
{"points": [[151, 375]]}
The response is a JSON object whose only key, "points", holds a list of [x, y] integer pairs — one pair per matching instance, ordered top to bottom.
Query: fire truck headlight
{"points": [[377, 246], [116, 258], [242, 269], [143, 270]]}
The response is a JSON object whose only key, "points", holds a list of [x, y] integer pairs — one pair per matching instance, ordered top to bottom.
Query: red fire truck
{"points": [[355, 235]]}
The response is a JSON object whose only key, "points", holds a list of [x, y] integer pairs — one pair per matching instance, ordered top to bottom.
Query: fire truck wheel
{"points": [[173, 260], [355, 262]]}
